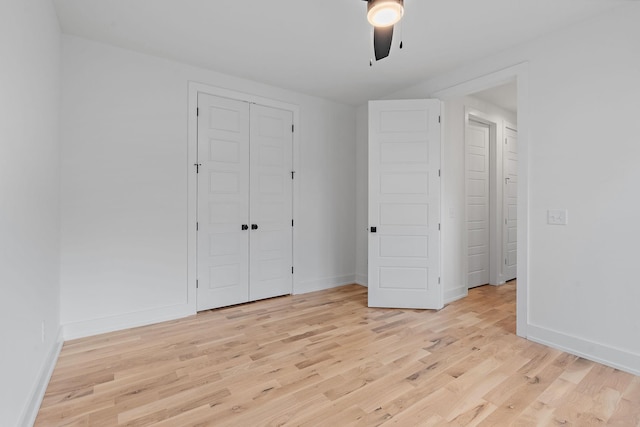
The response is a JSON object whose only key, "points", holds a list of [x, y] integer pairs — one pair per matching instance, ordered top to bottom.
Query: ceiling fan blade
{"points": [[382, 38]]}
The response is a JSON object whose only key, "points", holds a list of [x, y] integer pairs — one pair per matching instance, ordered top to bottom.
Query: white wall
{"points": [[582, 113], [124, 187], [453, 193], [29, 204]]}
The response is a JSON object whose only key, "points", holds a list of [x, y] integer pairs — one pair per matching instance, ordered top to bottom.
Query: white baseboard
{"points": [[362, 279], [322, 284], [452, 295], [131, 320], [125, 321], [597, 352], [33, 405]]}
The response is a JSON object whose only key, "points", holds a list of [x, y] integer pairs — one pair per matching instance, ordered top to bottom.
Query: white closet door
{"points": [[510, 192], [477, 194], [223, 202], [271, 202], [404, 204]]}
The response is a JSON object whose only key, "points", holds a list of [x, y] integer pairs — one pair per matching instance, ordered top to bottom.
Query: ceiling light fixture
{"points": [[384, 13]]}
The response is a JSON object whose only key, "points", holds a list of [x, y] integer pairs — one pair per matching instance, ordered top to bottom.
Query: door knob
{"points": [[254, 226], [245, 227], [373, 229]]}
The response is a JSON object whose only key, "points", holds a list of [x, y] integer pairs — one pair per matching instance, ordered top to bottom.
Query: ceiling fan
{"points": [[383, 15]]}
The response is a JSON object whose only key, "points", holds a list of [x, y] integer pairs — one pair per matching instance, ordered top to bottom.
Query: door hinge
{"points": [[197, 112], [439, 118], [292, 128], [197, 165], [439, 172], [292, 174], [292, 223], [197, 226], [438, 227], [505, 261], [291, 270], [438, 280], [197, 284]]}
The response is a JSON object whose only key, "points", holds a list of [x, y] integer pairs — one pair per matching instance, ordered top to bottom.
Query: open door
{"points": [[404, 204]]}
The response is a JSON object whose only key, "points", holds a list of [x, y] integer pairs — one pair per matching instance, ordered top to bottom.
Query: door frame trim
{"points": [[519, 72], [192, 182]]}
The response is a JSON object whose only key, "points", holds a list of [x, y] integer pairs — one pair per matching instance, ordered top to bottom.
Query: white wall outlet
{"points": [[557, 216]]}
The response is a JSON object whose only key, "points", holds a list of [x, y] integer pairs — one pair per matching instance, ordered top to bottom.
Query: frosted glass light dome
{"points": [[384, 13]]}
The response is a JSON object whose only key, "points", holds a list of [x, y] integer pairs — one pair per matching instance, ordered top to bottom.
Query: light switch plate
{"points": [[557, 216]]}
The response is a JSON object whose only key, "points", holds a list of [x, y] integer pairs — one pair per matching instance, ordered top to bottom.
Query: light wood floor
{"points": [[325, 359]]}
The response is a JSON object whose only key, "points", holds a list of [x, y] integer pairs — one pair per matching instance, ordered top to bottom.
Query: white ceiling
{"points": [[320, 47], [504, 96]]}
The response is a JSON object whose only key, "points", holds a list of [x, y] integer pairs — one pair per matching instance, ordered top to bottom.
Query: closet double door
{"points": [[244, 202]]}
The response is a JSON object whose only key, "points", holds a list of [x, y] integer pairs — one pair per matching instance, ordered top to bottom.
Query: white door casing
{"points": [[477, 140], [510, 199], [223, 202], [271, 202], [404, 204]]}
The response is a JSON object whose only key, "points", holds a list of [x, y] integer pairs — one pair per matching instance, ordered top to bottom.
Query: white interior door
{"points": [[477, 142], [510, 196], [223, 202], [271, 202], [404, 204]]}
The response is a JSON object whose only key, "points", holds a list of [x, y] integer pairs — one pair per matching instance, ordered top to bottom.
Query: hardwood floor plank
{"points": [[326, 359], [626, 414]]}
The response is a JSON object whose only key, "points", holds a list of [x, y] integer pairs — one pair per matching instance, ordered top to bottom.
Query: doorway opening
{"points": [[491, 178], [510, 222]]}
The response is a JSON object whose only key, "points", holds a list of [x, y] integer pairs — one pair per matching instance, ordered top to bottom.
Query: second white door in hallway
{"points": [[477, 181], [510, 196]]}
